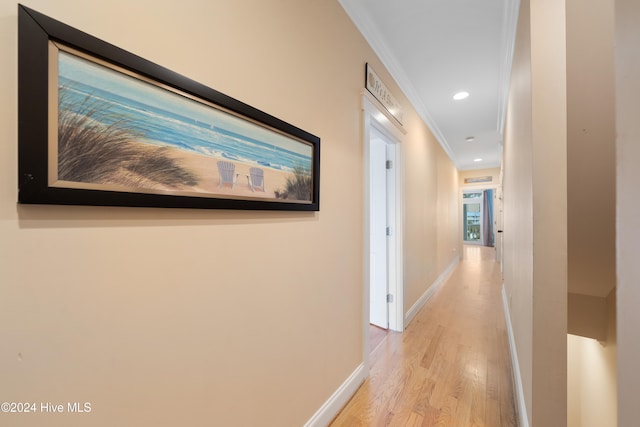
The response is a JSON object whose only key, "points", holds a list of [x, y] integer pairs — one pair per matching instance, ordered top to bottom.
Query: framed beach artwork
{"points": [[101, 126]]}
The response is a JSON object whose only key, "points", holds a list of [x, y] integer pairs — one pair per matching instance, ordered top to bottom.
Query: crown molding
{"points": [[360, 17], [510, 26]]}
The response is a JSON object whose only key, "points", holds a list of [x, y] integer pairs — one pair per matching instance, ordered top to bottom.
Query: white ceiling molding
{"points": [[360, 17], [510, 26]]}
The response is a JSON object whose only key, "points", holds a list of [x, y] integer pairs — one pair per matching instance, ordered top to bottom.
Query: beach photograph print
{"points": [[117, 131]]}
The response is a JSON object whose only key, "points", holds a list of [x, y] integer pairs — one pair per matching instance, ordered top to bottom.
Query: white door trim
{"points": [[374, 115], [462, 190], [379, 220]]}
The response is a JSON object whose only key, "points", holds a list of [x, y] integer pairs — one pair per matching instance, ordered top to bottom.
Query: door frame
{"points": [[374, 114], [478, 187], [478, 201], [380, 221]]}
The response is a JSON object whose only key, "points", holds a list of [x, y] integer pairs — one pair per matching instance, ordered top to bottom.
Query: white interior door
{"points": [[383, 202], [378, 262]]}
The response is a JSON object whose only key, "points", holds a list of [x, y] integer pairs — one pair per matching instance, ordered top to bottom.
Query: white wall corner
{"points": [[508, 41], [415, 308], [338, 399], [521, 407]]}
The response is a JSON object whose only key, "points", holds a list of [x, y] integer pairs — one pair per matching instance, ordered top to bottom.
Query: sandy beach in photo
{"points": [[119, 133], [206, 169]]}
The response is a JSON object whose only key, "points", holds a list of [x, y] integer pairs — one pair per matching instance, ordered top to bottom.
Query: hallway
{"points": [[451, 366]]}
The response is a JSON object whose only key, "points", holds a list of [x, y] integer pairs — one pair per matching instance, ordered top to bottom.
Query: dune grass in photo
{"points": [[99, 126], [92, 152], [298, 186]]}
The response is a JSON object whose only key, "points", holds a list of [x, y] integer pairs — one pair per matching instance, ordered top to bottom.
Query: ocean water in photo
{"points": [[159, 116]]}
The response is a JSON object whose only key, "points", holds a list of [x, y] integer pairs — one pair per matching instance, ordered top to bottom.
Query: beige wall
{"points": [[549, 133], [590, 147], [517, 204], [628, 205], [431, 207], [591, 209], [535, 215], [449, 226], [186, 317], [591, 372]]}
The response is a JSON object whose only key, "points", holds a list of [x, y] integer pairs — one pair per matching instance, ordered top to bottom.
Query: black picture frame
{"points": [[54, 109]]}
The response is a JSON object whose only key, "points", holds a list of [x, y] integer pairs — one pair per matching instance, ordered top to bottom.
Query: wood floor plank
{"points": [[376, 335], [427, 359], [451, 366], [492, 414], [430, 416], [415, 420]]}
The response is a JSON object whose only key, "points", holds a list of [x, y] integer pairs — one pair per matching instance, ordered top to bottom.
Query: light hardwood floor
{"points": [[376, 335], [451, 366]]}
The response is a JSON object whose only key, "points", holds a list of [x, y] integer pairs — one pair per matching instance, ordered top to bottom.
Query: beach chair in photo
{"points": [[226, 170], [256, 180]]}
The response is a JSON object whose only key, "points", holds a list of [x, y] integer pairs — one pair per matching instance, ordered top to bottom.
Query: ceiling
{"points": [[436, 48]]}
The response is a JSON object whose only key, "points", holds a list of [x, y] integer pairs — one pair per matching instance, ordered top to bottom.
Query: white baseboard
{"points": [[415, 308], [341, 396], [338, 399], [521, 406]]}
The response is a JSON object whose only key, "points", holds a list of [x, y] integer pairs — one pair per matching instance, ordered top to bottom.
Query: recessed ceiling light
{"points": [[460, 95], [470, 138], [477, 160]]}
